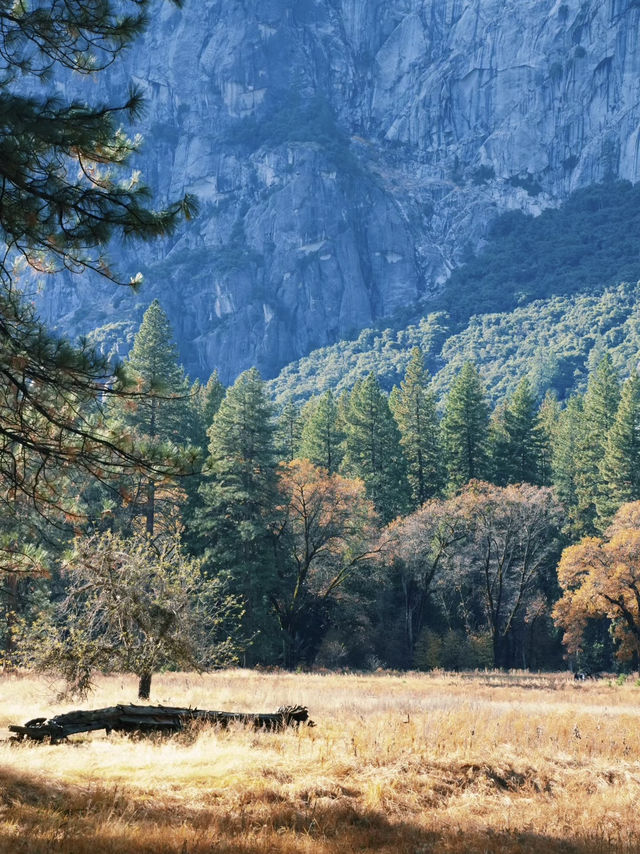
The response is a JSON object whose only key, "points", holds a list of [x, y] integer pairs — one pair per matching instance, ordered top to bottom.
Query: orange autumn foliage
{"points": [[601, 578]]}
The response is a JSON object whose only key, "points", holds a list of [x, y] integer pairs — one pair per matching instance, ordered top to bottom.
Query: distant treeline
{"points": [[364, 529]]}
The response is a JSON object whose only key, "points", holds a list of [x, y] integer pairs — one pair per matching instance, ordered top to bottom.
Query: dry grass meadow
{"points": [[408, 763]]}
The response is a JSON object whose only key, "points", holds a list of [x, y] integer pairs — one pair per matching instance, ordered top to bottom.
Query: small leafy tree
{"points": [[133, 606]]}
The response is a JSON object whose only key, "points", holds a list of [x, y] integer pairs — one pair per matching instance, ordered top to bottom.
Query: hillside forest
{"points": [[358, 530]]}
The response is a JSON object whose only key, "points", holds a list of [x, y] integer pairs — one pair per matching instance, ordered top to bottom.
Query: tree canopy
{"points": [[67, 191]]}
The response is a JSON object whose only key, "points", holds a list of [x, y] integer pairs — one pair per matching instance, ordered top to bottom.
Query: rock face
{"points": [[348, 153]]}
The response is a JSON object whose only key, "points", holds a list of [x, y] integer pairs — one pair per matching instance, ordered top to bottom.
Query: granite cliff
{"points": [[348, 154]]}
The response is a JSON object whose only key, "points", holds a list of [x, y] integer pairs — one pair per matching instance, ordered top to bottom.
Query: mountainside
{"points": [[348, 154], [544, 298]]}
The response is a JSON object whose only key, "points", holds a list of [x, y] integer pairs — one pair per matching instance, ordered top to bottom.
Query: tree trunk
{"points": [[11, 615], [144, 685]]}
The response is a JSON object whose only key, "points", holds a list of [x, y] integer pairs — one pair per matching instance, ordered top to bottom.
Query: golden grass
{"points": [[407, 764]]}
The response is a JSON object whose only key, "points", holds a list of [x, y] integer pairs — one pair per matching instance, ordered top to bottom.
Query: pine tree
{"points": [[66, 192], [162, 387], [211, 398], [601, 402], [414, 408], [161, 411], [547, 420], [465, 428], [288, 432], [322, 435], [522, 438], [565, 441], [498, 445], [372, 449], [620, 466], [239, 500]]}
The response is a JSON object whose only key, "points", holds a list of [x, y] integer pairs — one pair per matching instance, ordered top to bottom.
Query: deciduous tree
{"points": [[326, 533], [507, 557], [600, 578], [131, 605]]}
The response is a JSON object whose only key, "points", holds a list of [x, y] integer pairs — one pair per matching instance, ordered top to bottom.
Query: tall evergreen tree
{"points": [[66, 193], [210, 399], [600, 407], [414, 408], [160, 411], [547, 419], [465, 428], [521, 431], [288, 432], [322, 434], [565, 441], [498, 446], [373, 451], [620, 466], [239, 500]]}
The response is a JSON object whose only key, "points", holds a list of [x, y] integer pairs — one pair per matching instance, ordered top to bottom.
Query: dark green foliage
{"points": [[66, 191], [60, 204], [584, 245], [337, 367], [208, 401], [600, 406], [414, 407], [158, 408], [161, 410], [548, 417], [465, 429], [288, 432], [323, 434], [517, 439], [372, 449], [620, 466], [239, 498]]}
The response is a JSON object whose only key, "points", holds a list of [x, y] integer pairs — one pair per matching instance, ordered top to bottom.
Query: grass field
{"points": [[407, 764]]}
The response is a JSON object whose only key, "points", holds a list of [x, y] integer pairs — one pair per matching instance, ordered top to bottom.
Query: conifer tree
{"points": [[66, 192], [210, 400], [160, 405], [600, 407], [414, 408], [160, 410], [547, 419], [465, 428], [288, 432], [522, 433], [322, 435], [565, 442], [498, 445], [372, 449], [620, 466], [239, 499]]}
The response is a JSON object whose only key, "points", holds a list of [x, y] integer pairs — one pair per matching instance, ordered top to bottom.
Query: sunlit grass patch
{"points": [[397, 762]]}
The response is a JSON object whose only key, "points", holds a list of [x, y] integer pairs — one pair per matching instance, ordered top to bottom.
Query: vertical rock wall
{"points": [[347, 153]]}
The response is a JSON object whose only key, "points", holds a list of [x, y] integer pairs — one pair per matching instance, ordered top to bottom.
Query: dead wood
{"points": [[151, 719]]}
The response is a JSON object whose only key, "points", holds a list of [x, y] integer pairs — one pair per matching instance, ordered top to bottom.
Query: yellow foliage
{"points": [[601, 578]]}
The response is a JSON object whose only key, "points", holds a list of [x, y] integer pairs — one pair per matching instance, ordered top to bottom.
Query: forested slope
{"points": [[544, 295]]}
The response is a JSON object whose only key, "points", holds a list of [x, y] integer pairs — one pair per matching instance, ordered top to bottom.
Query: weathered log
{"points": [[150, 719]]}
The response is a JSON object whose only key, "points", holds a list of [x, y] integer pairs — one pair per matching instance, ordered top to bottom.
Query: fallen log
{"points": [[151, 719]]}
